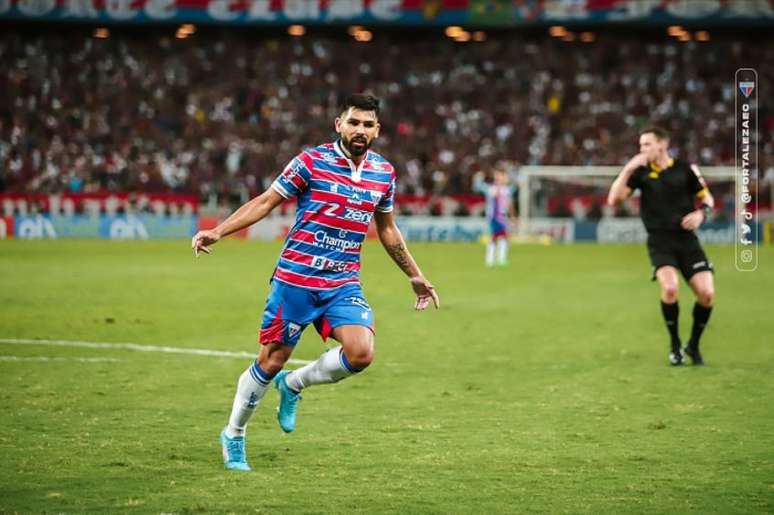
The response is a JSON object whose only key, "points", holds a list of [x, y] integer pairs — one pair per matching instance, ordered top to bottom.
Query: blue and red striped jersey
{"points": [[336, 202]]}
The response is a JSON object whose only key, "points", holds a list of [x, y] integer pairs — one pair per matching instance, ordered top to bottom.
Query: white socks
{"points": [[500, 246], [502, 251], [490, 253], [331, 367], [251, 388]]}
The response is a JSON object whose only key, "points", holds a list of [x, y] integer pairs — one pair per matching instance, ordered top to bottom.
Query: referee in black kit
{"points": [[669, 190]]}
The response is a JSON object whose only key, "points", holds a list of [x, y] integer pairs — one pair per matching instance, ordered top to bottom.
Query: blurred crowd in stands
{"points": [[218, 115]]}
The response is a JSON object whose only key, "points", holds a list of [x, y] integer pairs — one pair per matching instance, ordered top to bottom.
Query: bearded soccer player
{"points": [[339, 187], [669, 189]]}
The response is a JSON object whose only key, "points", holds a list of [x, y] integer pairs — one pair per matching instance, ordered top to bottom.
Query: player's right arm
{"points": [[293, 180], [479, 183], [620, 189], [249, 213]]}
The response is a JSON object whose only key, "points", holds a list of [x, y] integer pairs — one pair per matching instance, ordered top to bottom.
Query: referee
{"points": [[669, 189]]}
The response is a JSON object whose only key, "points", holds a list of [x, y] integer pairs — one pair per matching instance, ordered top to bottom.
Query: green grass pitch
{"points": [[539, 388]]}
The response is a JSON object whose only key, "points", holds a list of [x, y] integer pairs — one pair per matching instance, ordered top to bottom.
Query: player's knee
{"points": [[669, 292], [706, 296], [360, 355], [273, 362]]}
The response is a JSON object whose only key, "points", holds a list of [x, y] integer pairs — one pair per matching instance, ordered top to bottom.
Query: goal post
{"points": [[545, 192]]}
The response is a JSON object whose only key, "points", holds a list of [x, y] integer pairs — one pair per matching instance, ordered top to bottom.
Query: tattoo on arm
{"points": [[400, 255]]}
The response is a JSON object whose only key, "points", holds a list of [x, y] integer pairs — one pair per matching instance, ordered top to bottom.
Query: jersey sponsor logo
{"points": [[328, 157], [355, 198], [334, 210], [357, 215], [341, 244], [330, 265]]}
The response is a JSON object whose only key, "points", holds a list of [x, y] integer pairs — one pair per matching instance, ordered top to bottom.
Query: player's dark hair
{"points": [[362, 102], [659, 132]]}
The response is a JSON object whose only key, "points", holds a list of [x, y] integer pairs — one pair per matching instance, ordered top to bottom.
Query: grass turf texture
{"points": [[542, 387]]}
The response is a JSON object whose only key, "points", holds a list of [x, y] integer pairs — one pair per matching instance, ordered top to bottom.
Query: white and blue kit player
{"points": [[339, 188], [499, 209]]}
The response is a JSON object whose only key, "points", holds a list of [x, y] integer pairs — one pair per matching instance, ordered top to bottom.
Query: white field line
{"points": [[139, 347], [52, 358]]}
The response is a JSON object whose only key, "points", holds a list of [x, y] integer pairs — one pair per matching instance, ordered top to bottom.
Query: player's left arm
{"points": [[698, 185], [395, 245]]}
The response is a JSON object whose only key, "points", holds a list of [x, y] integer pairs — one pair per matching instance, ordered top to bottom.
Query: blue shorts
{"points": [[498, 229], [289, 309]]}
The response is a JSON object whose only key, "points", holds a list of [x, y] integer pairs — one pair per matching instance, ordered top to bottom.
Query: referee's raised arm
{"points": [[620, 191]]}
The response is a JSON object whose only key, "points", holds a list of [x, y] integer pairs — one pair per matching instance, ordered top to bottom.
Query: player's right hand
{"points": [[638, 160], [202, 241]]}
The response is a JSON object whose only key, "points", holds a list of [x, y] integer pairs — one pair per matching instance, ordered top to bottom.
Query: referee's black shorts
{"points": [[680, 249]]}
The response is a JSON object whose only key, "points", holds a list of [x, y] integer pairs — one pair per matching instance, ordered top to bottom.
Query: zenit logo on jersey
{"points": [[746, 88], [336, 203]]}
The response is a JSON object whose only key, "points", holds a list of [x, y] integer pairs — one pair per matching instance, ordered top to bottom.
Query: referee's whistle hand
{"points": [[692, 220]]}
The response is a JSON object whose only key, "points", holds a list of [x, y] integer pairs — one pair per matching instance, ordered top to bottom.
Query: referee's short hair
{"points": [[659, 132]]}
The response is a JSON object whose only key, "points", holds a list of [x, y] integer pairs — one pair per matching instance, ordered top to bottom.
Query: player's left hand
{"points": [[692, 220], [425, 293]]}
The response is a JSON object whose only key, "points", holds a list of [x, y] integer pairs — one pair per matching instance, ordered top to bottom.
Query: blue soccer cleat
{"points": [[286, 415], [234, 457]]}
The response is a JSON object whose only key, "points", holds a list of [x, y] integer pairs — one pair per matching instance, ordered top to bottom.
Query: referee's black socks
{"points": [[671, 313], [701, 315]]}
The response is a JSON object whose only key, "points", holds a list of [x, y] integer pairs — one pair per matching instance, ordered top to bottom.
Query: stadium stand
{"points": [[217, 115]]}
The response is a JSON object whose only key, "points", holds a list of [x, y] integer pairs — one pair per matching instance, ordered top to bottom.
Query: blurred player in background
{"points": [[339, 187], [669, 189], [499, 211]]}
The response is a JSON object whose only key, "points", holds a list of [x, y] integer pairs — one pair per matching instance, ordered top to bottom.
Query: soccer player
{"points": [[339, 188], [669, 189], [499, 208]]}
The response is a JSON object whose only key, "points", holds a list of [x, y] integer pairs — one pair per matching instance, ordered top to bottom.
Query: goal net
{"points": [[559, 201]]}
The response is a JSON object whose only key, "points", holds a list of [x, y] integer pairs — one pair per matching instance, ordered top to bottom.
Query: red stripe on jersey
{"points": [[307, 160], [298, 181], [381, 187], [337, 198], [334, 222], [306, 259], [310, 282]]}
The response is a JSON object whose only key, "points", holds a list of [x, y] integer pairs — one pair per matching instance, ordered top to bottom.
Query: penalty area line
{"points": [[139, 347]]}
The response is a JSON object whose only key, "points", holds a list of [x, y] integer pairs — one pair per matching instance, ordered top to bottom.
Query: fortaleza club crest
{"points": [[746, 88]]}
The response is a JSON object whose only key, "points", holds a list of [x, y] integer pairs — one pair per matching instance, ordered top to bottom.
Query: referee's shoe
{"points": [[692, 350], [676, 356]]}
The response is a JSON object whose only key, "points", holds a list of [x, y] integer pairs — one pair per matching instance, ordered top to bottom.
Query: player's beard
{"points": [[356, 150]]}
